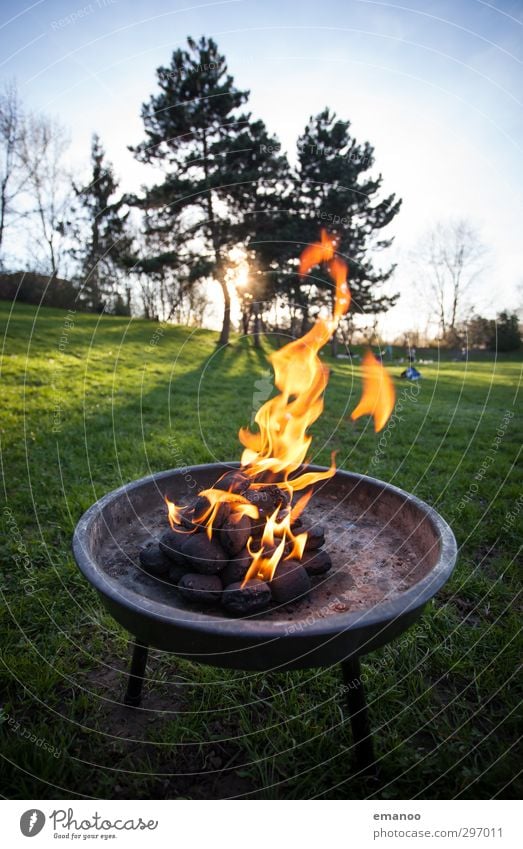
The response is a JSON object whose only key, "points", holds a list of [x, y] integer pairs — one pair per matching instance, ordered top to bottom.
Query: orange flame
{"points": [[322, 251], [378, 395], [282, 443], [280, 447], [278, 450], [217, 497], [174, 513], [267, 557]]}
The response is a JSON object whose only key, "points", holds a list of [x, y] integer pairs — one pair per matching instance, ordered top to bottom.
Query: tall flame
{"points": [[282, 443], [278, 450]]}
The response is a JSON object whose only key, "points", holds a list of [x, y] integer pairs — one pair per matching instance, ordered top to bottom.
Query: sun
{"points": [[241, 275]]}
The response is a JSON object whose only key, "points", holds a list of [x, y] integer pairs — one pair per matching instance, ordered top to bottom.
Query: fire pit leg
{"points": [[133, 696], [359, 716]]}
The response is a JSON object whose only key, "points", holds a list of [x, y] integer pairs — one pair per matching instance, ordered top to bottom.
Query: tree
{"points": [[44, 143], [215, 160], [13, 176], [334, 190], [258, 195], [104, 244], [449, 260], [477, 332], [505, 334]]}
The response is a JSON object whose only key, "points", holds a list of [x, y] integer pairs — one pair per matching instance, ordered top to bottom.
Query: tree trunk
{"points": [[3, 204], [54, 267], [246, 318], [304, 320], [257, 322], [226, 325], [334, 344]]}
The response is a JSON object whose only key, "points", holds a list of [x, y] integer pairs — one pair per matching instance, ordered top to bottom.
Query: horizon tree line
{"points": [[225, 188]]}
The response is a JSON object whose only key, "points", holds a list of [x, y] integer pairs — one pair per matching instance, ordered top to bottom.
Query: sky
{"points": [[436, 87]]}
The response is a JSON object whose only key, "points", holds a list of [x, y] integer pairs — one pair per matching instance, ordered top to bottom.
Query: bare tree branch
{"points": [[44, 144], [13, 176], [449, 260]]}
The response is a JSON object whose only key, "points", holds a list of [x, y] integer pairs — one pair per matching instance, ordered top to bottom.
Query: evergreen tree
{"points": [[218, 166], [335, 191], [105, 246], [505, 333]]}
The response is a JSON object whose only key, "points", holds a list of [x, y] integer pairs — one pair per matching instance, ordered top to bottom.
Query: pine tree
{"points": [[217, 165], [334, 190], [104, 249]]}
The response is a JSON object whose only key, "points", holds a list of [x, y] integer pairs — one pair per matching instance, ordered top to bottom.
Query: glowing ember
{"points": [[273, 459]]}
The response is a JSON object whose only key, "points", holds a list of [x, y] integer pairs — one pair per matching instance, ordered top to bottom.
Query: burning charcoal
{"points": [[233, 481], [279, 496], [267, 499], [201, 506], [222, 514], [187, 517], [297, 524], [235, 533], [315, 536], [172, 544], [204, 555], [153, 560], [316, 562], [236, 568], [290, 582], [205, 589], [255, 595]]}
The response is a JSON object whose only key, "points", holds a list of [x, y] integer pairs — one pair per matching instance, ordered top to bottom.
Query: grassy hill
{"points": [[91, 402]]}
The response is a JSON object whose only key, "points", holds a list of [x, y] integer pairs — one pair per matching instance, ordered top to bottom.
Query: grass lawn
{"points": [[89, 403]]}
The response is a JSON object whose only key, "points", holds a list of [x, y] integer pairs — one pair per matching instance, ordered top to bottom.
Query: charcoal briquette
{"points": [[233, 481], [267, 499], [201, 507], [222, 514], [187, 517], [235, 533], [315, 536], [172, 543], [204, 555], [153, 560], [316, 562], [236, 568], [176, 572], [290, 582], [203, 589], [254, 596]]}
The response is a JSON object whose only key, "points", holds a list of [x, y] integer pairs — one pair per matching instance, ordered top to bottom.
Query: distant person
{"points": [[412, 355], [411, 373]]}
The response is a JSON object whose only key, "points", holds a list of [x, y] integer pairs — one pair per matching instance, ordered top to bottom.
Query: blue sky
{"points": [[436, 87]]}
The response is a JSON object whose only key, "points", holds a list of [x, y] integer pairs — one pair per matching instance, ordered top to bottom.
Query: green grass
{"points": [[90, 406]]}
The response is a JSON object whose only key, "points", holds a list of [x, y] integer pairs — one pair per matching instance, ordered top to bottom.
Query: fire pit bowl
{"points": [[366, 521], [391, 553]]}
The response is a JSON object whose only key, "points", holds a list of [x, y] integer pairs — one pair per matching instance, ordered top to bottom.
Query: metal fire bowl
{"points": [[157, 616]]}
